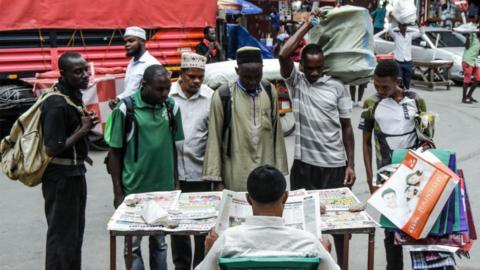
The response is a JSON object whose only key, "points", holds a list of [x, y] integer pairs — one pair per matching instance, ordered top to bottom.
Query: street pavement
{"points": [[23, 226]]}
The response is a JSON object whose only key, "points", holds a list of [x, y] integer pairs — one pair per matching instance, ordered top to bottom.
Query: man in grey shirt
{"points": [[194, 100], [324, 143]]}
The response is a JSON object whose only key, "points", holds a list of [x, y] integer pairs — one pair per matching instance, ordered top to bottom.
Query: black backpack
{"points": [[225, 95]]}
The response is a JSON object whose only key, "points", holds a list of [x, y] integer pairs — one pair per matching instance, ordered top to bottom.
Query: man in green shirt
{"points": [[470, 55], [142, 156]]}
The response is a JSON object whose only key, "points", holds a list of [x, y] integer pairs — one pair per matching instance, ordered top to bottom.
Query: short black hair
{"points": [[206, 29], [311, 49], [64, 60], [387, 68], [154, 70], [266, 184], [387, 191]]}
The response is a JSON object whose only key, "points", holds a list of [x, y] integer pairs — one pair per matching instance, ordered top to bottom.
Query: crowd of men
{"points": [[183, 135]]}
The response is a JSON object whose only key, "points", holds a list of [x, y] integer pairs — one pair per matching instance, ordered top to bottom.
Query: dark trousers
{"points": [[406, 73], [310, 177], [65, 201], [181, 244], [394, 252]]}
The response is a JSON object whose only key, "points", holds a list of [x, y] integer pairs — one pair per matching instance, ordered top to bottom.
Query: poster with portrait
{"points": [[416, 193]]}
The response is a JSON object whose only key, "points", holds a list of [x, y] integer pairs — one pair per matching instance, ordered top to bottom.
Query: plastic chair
{"points": [[269, 263]]}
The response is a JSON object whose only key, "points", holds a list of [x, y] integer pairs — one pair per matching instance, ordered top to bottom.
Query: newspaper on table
{"points": [[337, 199], [338, 202], [198, 205], [301, 211], [187, 212], [337, 220]]}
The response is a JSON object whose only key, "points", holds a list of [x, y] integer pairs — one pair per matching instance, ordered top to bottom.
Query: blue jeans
{"points": [[406, 73], [157, 250]]}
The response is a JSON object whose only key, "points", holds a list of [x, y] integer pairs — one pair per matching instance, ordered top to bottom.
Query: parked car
{"points": [[450, 47]]}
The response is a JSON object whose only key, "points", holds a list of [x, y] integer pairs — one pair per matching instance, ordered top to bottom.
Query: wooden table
{"points": [[433, 74], [129, 235], [346, 244]]}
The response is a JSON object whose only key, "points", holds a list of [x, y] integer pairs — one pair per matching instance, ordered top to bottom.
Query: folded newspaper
{"points": [[416, 193], [169, 211], [302, 211], [153, 213]]}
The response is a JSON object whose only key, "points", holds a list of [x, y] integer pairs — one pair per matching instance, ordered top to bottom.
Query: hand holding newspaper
{"points": [[302, 211]]}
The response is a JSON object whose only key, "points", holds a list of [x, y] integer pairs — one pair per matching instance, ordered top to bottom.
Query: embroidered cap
{"points": [[135, 31], [193, 60]]}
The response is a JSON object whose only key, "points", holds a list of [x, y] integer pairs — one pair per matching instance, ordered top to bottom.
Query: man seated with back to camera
{"points": [[265, 233]]}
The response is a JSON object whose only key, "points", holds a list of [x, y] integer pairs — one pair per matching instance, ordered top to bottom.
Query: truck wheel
{"points": [[14, 101], [288, 123]]}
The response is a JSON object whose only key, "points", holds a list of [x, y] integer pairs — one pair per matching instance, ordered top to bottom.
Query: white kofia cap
{"points": [[135, 31], [193, 60]]}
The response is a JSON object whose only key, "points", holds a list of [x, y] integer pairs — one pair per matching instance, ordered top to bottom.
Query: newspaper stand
{"points": [[342, 229]]}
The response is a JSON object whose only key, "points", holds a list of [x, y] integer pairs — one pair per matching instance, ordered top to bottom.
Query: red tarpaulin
{"points": [[105, 14]]}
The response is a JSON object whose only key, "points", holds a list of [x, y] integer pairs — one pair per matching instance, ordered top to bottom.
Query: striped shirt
{"points": [[318, 108]]}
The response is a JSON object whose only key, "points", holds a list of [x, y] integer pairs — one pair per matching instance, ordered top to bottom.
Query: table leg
{"points": [[371, 249], [346, 250], [113, 252], [129, 252]]}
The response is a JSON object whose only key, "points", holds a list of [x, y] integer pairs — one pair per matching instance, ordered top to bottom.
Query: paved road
{"points": [[23, 226]]}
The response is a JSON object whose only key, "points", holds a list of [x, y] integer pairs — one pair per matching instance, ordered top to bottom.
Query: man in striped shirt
{"points": [[324, 143]]}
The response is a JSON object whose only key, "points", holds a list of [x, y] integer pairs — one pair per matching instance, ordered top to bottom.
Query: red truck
{"points": [[34, 33]]}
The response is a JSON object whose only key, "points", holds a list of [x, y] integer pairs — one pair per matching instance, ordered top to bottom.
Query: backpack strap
{"points": [[268, 88], [55, 92], [226, 98], [129, 122], [173, 129], [382, 136]]}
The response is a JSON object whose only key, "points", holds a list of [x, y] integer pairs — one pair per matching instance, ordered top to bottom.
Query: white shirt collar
{"points": [[176, 89], [268, 221]]}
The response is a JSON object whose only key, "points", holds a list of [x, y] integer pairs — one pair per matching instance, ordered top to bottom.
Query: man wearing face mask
{"points": [[135, 38], [194, 100], [65, 129], [244, 130], [324, 142], [143, 157]]}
